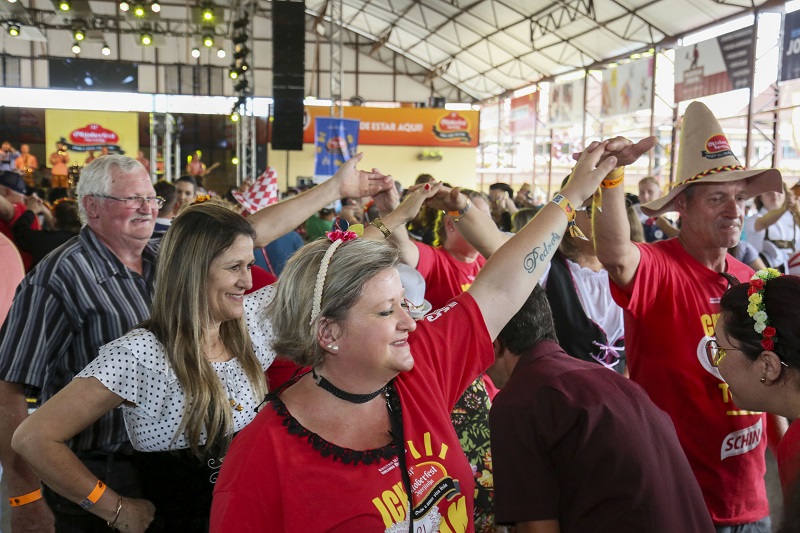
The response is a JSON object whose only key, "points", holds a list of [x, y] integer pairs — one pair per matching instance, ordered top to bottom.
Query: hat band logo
{"points": [[716, 147]]}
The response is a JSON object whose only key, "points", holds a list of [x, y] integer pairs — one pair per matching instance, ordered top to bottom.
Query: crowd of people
{"points": [[360, 356]]}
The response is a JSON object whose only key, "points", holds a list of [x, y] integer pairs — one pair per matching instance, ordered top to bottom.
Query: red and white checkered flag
{"points": [[262, 193]]}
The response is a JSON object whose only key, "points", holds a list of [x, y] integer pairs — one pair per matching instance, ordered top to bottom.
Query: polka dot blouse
{"points": [[135, 367]]}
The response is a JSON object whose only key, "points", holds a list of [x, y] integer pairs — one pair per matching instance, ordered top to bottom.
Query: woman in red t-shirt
{"points": [[345, 446]]}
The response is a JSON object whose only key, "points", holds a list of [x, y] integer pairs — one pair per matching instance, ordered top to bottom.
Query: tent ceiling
{"points": [[462, 49]]}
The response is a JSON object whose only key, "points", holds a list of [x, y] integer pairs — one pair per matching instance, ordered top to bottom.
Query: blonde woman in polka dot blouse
{"points": [[187, 379]]}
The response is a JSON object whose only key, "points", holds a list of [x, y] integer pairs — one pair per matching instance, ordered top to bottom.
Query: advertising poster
{"points": [[790, 58], [714, 66], [627, 88], [566, 103], [523, 114], [405, 126], [89, 131], [336, 141]]}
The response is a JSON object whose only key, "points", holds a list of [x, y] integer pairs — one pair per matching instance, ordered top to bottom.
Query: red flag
{"points": [[262, 193]]}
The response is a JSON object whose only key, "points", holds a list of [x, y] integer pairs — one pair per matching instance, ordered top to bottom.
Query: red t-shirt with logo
{"points": [[445, 276], [669, 315], [789, 462], [277, 476]]}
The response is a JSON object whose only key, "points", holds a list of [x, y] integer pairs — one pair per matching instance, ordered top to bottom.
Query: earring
{"points": [[332, 347], [764, 379]]}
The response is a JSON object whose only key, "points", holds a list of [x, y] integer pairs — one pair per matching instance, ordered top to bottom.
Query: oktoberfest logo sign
{"points": [[452, 126], [92, 137]]}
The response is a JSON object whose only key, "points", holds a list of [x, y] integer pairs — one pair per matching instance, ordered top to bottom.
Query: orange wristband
{"points": [[614, 178], [93, 496], [26, 498]]}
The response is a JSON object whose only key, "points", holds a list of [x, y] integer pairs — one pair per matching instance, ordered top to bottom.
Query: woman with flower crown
{"points": [[757, 353], [363, 441]]}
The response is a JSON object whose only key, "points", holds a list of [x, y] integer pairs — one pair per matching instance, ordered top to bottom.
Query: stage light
{"points": [[64, 5], [124, 6], [155, 7], [138, 10], [208, 13], [241, 23], [13, 29], [79, 35], [146, 39], [240, 39], [208, 40], [76, 47], [106, 51], [195, 52], [221, 53], [241, 53], [244, 66], [233, 74], [241, 85], [235, 116], [235, 160]]}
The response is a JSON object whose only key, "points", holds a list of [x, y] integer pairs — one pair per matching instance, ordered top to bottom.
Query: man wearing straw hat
{"points": [[670, 293]]}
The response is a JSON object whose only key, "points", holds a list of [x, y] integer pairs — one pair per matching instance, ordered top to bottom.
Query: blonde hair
{"points": [[439, 228], [199, 235], [352, 265]]}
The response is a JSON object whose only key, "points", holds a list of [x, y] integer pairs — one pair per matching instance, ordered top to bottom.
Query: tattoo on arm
{"points": [[540, 253]]}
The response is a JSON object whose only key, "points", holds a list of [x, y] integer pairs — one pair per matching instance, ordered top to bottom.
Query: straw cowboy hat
{"points": [[706, 157]]}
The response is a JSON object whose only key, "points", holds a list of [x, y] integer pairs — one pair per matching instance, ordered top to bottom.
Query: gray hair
{"points": [[96, 177], [352, 265]]}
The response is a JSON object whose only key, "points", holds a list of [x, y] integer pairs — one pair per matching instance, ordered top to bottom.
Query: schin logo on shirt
{"points": [[742, 441]]}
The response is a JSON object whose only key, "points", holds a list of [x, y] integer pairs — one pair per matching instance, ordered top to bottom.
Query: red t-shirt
{"points": [[5, 229], [444, 275], [669, 315], [789, 461], [275, 479]]}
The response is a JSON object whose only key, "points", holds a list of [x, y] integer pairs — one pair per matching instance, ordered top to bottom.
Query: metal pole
{"points": [[749, 137]]}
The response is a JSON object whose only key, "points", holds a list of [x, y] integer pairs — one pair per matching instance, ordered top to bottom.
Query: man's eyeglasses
{"points": [[135, 202]]}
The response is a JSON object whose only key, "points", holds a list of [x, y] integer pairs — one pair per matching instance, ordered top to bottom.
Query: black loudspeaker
{"points": [[288, 73]]}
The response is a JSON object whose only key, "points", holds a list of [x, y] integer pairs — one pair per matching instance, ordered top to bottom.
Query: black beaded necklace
{"points": [[344, 395]]}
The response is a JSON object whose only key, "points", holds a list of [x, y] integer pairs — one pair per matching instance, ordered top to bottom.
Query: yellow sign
{"points": [[82, 132]]}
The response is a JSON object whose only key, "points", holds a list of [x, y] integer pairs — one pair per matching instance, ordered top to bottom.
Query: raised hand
{"points": [[623, 149], [593, 165], [356, 183], [417, 195]]}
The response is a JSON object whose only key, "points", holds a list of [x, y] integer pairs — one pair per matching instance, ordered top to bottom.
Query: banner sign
{"points": [[790, 60], [715, 66], [627, 88], [566, 103], [523, 114], [405, 126], [91, 131], [336, 142]]}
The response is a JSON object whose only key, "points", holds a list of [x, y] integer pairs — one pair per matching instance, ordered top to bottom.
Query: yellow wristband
{"points": [[614, 178], [563, 202], [378, 223], [93, 496], [26, 498]]}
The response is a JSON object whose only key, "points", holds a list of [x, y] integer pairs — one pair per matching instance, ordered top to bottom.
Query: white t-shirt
{"points": [[594, 294], [135, 367]]}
